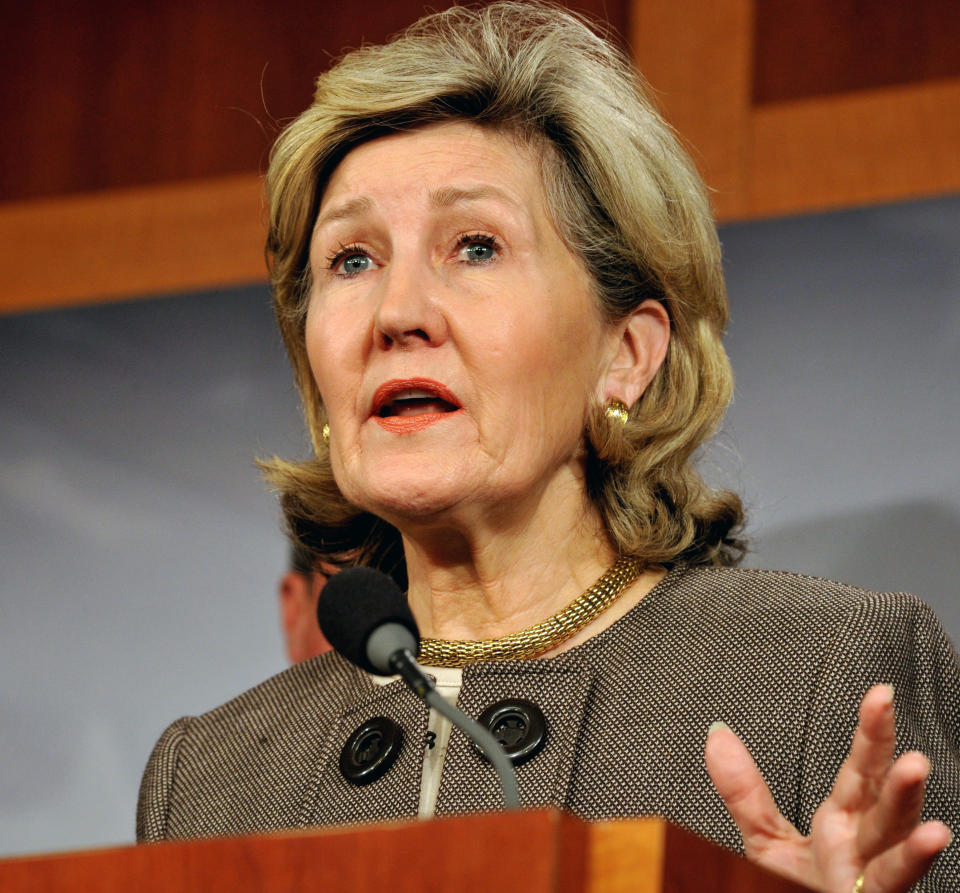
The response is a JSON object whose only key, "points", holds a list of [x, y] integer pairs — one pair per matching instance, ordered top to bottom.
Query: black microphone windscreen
{"points": [[353, 603]]}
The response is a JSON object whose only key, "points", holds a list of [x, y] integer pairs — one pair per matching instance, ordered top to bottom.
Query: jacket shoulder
{"points": [[785, 594], [327, 679], [242, 766], [153, 801]]}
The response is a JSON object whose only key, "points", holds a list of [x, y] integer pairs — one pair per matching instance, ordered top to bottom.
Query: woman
{"points": [[500, 289]]}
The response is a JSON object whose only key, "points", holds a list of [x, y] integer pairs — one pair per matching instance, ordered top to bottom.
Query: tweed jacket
{"points": [[781, 658]]}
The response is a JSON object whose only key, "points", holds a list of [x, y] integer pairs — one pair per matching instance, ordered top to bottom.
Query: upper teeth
{"points": [[415, 394]]}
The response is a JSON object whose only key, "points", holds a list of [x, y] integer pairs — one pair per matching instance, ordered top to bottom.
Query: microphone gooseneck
{"points": [[365, 616]]}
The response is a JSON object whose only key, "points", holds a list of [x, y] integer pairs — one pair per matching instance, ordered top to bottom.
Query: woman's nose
{"points": [[408, 313]]}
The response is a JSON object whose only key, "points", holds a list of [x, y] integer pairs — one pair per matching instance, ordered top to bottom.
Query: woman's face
{"points": [[455, 340]]}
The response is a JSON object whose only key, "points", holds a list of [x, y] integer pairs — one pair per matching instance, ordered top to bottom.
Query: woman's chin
{"points": [[409, 497]]}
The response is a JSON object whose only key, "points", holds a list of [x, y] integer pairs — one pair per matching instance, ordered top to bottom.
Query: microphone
{"points": [[359, 602], [365, 617]]}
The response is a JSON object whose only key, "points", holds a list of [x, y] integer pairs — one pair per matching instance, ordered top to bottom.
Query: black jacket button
{"points": [[518, 725], [371, 750]]}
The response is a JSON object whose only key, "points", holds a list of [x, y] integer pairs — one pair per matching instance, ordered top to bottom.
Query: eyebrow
{"points": [[452, 195], [446, 197], [351, 208]]}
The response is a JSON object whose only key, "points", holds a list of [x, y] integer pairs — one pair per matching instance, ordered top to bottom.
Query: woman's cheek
{"points": [[322, 347]]}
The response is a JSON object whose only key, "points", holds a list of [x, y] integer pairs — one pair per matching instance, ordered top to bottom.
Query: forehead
{"points": [[443, 160]]}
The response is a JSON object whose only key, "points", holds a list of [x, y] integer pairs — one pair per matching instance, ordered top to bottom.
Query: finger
{"points": [[860, 779], [743, 790], [897, 811], [903, 865]]}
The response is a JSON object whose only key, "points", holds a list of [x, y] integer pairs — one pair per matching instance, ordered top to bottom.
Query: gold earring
{"points": [[617, 410], [325, 434]]}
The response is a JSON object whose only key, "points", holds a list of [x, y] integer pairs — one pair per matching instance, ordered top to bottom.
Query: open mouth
{"points": [[412, 397], [415, 402]]}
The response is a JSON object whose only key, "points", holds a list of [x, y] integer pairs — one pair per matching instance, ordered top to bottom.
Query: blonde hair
{"points": [[625, 198]]}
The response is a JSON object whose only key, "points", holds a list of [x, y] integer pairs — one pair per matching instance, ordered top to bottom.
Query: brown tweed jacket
{"points": [[783, 659]]}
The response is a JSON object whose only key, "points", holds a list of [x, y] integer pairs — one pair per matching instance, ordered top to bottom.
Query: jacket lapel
{"points": [[560, 689], [331, 799]]}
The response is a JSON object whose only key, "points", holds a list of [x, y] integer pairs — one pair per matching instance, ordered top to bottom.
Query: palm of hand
{"points": [[869, 825]]}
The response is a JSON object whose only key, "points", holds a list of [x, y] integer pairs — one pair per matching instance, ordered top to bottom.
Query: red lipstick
{"points": [[407, 405]]}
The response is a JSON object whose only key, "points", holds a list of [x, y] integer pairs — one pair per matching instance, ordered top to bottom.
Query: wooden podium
{"points": [[522, 852]]}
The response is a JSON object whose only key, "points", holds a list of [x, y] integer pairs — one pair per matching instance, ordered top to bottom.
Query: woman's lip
{"points": [[389, 389], [409, 424]]}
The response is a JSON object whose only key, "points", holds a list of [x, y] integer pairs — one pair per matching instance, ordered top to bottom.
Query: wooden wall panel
{"points": [[826, 47], [697, 58], [712, 61], [99, 94], [108, 94], [154, 119], [855, 148], [129, 243]]}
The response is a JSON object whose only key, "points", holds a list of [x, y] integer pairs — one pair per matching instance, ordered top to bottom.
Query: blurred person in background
{"points": [[298, 591]]}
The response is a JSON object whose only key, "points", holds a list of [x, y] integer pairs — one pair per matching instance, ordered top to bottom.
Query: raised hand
{"points": [[869, 827]]}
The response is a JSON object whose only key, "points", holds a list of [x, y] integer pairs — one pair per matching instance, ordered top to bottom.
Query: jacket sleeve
{"points": [[895, 639], [156, 786]]}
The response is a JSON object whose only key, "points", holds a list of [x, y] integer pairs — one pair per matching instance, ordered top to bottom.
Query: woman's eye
{"points": [[478, 249], [349, 261], [355, 263]]}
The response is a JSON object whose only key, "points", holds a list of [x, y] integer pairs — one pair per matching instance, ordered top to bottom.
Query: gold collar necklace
{"points": [[538, 639]]}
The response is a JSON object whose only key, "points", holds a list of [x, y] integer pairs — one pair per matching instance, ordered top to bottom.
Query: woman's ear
{"points": [[640, 352]]}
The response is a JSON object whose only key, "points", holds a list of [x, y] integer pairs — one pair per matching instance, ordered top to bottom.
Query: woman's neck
{"points": [[488, 581]]}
